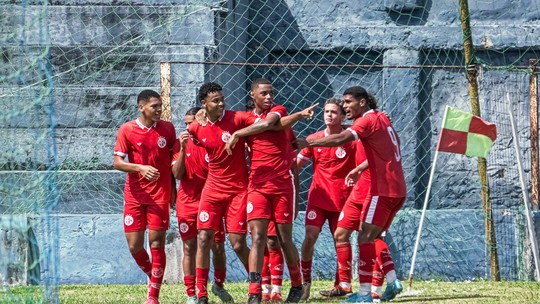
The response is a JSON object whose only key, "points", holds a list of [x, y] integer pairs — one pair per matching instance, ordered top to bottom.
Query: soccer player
{"points": [[147, 142], [190, 166], [387, 189], [328, 191], [224, 194], [271, 194], [272, 271]]}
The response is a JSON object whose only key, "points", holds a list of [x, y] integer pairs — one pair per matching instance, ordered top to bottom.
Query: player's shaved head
{"points": [[255, 84], [146, 95]]}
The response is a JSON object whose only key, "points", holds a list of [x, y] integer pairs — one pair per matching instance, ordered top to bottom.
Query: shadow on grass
{"points": [[405, 299]]}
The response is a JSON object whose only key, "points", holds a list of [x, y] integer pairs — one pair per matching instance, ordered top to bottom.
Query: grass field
{"points": [[422, 292]]}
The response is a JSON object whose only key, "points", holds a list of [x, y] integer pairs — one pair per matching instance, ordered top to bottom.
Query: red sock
{"points": [[344, 255], [383, 256], [143, 260], [367, 261], [276, 266], [266, 268], [158, 269], [306, 270], [295, 274], [219, 276], [378, 278], [189, 281], [202, 281], [254, 287]]}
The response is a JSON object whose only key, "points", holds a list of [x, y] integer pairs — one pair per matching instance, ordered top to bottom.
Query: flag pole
{"points": [[426, 200], [534, 242]]}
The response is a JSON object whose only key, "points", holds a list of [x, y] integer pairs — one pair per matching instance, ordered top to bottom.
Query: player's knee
{"points": [[311, 237], [204, 238], [272, 243], [190, 247], [219, 249]]}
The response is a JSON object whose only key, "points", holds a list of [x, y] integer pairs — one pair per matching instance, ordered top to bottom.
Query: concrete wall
{"points": [[102, 54]]}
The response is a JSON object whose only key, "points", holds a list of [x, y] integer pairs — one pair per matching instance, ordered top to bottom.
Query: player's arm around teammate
{"points": [[147, 143]]}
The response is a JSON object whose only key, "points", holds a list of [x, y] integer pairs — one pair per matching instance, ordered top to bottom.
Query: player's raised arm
{"points": [[289, 120], [333, 140]]}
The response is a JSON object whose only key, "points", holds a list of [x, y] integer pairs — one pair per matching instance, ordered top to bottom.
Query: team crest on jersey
{"points": [[225, 136], [161, 142], [340, 152], [206, 158], [249, 207], [312, 215], [204, 216], [341, 216], [128, 220], [184, 227]]}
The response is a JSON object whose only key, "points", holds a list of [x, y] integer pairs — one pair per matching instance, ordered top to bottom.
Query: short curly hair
{"points": [[207, 88]]}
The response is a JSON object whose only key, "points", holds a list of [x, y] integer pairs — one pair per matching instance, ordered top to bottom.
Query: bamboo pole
{"points": [[165, 82], [533, 88], [482, 163]]}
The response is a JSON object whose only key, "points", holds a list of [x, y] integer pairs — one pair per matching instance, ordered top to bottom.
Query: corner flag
{"points": [[464, 133]]}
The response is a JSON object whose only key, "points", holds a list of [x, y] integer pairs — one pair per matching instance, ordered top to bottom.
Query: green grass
{"points": [[422, 292]]}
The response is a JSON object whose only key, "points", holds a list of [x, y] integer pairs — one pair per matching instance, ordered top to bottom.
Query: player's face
{"points": [[263, 96], [214, 104], [352, 106], [151, 110], [333, 115], [189, 119]]}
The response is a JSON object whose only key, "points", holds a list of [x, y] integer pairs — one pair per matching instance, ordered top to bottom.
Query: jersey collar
{"points": [[370, 111], [219, 118], [142, 126]]}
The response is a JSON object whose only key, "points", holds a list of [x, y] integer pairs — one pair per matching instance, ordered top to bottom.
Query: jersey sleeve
{"points": [[278, 110], [243, 119], [361, 127], [192, 129], [172, 137], [121, 147], [175, 151], [306, 153]]}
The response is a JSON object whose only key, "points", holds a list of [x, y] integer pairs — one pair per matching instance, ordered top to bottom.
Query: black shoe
{"points": [[295, 294], [254, 299], [202, 300]]}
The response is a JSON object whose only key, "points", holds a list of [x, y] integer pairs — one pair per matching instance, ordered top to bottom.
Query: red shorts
{"points": [[216, 206], [278, 207], [381, 210], [138, 216], [316, 216], [350, 216], [187, 225], [271, 229]]}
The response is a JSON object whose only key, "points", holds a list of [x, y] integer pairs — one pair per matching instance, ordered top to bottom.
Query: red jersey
{"points": [[147, 146], [383, 153], [270, 154], [330, 167], [226, 173], [364, 181], [192, 182]]}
